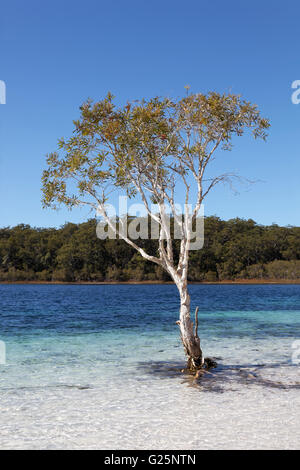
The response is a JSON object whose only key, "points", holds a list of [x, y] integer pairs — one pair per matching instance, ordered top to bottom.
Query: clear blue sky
{"points": [[56, 54]]}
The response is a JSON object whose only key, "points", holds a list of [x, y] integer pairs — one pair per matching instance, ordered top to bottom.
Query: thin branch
{"points": [[142, 252], [196, 323]]}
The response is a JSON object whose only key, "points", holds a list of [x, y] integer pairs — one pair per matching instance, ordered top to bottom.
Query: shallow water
{"points": [[100, 367]]}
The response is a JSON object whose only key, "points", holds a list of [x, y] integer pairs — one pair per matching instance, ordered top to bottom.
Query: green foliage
{"points": [[151, 141], [236, 249]]}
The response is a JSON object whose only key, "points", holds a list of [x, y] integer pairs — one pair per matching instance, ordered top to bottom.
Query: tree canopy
{"points": [[145, 145], [149, 148]]}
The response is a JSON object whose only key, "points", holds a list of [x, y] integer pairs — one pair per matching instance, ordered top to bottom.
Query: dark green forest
{"points": [[234, 249]]}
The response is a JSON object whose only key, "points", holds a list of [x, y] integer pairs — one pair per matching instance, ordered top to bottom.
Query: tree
{"points": [[156, 149]]}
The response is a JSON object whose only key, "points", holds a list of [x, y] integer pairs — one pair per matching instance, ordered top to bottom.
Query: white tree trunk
{"points": [[189, 336]]}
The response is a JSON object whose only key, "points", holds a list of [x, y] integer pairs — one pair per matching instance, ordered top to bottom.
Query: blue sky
{"points": [[54, 55]]}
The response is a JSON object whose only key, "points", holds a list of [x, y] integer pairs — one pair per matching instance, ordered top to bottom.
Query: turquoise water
{"points": [[99, 367]]}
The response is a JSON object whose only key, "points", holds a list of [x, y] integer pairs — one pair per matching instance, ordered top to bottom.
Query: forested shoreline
{"points": [[233, 250]]}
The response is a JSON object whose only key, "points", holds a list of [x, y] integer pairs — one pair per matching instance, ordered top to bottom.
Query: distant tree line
{"points": [[234, 249]]}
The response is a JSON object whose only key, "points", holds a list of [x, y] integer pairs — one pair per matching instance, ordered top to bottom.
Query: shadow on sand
{"points": [[220, 379]]}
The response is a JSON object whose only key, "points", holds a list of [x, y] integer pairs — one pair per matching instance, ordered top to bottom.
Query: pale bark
{"points": [[189, 336]]}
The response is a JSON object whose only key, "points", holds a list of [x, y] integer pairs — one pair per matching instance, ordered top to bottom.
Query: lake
{"points": [[99, 366]]}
